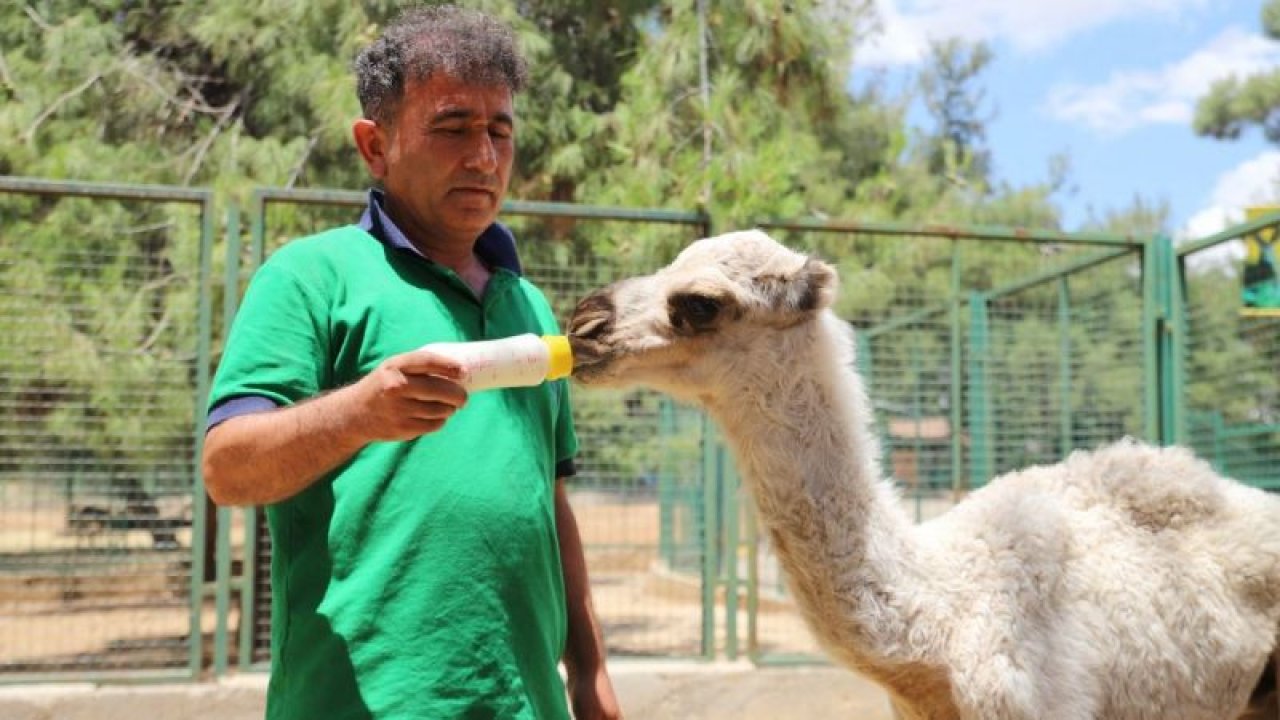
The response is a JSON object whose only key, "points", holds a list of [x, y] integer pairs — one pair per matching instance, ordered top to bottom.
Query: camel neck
{"points": [[804, 446]]}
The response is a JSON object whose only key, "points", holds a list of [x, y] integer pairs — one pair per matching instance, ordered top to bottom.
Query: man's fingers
{"points": [[426, 362], [431, 389], [432, 411], [424, 427]]}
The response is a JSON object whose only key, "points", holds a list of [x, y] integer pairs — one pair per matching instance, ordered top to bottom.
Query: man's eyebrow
{"points": [[465, 114]]}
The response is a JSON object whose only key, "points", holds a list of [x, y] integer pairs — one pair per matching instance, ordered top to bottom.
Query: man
{"points": [[426, 561]]}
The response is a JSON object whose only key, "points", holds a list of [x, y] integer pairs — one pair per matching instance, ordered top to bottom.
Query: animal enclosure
{"points": [[985, 349]]}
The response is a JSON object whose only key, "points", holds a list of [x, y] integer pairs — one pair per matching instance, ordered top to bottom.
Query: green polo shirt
{"points": [[420, 579]]}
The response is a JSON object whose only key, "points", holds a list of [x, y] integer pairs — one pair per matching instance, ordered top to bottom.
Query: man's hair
{"points": [[467, 44]]}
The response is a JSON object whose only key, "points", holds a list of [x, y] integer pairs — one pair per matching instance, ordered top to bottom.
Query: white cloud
{"points": [[1026, 25], [902, 40], [1133, 98], [1251, 183]]}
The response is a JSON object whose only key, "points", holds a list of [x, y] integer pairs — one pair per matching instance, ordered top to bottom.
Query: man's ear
{"points": [[371, 140]]}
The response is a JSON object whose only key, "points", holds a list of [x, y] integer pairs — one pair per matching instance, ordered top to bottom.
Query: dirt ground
{"points": [[66, 603], [646, 690], [731, 692]]}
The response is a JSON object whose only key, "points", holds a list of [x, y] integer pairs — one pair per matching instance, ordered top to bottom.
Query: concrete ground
{"points": [[647, 691]]}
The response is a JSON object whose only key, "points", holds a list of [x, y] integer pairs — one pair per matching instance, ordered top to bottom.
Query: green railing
{"points": [[1002, 347], [976, 366], [1224, 374], [635, 513], [102, 559]]}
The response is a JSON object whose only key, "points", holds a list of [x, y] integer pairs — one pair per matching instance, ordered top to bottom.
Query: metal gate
{"points": [[1003, 348], [985, 349], [103, 367], [1228, 373], [638, 495]]}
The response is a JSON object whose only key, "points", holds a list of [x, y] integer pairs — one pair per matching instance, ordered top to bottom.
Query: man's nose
{"points": [[482, 155]]}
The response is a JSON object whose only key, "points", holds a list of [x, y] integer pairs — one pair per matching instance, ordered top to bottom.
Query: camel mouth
{"points": [[588, 329], [591, 358], [589, 375]]}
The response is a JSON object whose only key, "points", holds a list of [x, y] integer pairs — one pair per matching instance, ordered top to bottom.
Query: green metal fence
{"points": [[105, 317], [1006, 348], [985, 349], [1229, 372], [638, 494]]}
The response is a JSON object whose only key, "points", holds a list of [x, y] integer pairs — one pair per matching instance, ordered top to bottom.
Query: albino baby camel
{"points": [[1129, 583]]}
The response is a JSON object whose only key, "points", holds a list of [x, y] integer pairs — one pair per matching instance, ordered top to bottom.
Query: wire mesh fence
{"points": [[100, 315], [983, 351], [1064, 366], [972, 369], [1231, 384], [638, 492]]}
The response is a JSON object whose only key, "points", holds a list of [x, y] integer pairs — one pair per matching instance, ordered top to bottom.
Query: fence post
{"points": [[1164, 341], [1174, 346], [1064, 366], [956, 391], [981, 455], [711, 484], [199, 514], [729, 517], [223, 527]]}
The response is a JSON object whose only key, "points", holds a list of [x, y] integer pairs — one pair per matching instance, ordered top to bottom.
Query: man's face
{"points": [[448, 155]]}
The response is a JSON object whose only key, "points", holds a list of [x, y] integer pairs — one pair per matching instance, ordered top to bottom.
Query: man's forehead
{"points": [[445, 87], [461, 102]]}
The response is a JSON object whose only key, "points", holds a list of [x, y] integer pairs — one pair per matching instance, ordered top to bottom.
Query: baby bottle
{"points": [[518, 361]]}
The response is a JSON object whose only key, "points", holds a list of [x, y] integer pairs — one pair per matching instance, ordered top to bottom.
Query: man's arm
{"points": [[270, 456], [590, 688]]}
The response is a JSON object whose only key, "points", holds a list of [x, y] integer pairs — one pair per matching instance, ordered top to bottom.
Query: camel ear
{"points": [[822, 281], [810, 288]]}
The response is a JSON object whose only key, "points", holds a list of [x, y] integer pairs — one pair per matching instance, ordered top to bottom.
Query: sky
{"points": [[1112, 84]]}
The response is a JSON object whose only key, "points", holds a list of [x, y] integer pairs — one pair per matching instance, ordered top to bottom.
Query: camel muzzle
{"points": [[589, 329]]}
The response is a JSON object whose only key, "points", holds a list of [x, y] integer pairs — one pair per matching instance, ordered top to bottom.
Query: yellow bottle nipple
{"points": [[560, 363]]}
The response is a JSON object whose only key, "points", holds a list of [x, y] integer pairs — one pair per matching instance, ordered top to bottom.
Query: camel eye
{"points": [[691, 313]]}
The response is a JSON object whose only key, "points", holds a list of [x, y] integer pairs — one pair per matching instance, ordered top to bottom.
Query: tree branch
{"points": [[35, 17], [6, 77], [195, 102], [226, 113], [30, 133], [302, 161], [158, 329]]}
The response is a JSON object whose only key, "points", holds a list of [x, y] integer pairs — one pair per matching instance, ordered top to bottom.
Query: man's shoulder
{"points": [[334, 242], [324, 254], [320, 260]]}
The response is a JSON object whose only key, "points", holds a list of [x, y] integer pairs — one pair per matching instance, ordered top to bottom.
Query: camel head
{"points": [[686, 329]]}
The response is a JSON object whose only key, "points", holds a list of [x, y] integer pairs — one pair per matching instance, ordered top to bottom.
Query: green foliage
{"points": [[1236, 103], [956, 106], [625, 108], [753, 140], [102, 332]]}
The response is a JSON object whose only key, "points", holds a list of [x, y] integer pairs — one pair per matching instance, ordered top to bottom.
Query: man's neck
{"points": [[457, 254], [475, 274]]}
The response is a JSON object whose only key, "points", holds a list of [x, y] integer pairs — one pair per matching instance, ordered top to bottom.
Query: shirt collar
{"points": [[496, 245]]}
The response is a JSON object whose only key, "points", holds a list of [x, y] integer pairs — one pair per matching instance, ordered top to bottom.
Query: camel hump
{"points": [[1159, 488]]}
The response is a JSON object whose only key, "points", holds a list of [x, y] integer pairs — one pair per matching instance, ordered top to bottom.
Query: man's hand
{"points": [[408, 395], [267, 457], [592, 697]]}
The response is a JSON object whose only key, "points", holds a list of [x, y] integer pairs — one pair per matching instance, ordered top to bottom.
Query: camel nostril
{"points": [[592, 318], [590, 327]]}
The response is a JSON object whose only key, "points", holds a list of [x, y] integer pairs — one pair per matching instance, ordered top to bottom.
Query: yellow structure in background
{"points": [[1260, 287]]}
